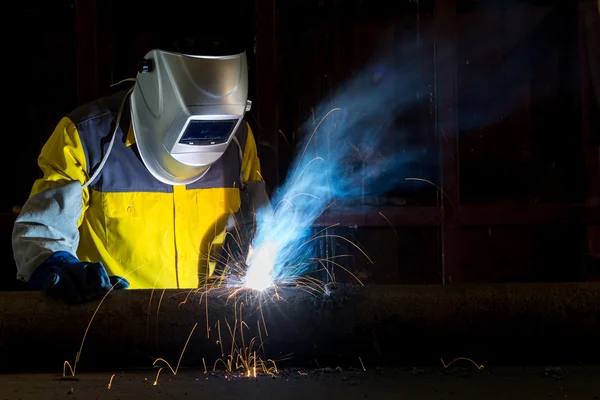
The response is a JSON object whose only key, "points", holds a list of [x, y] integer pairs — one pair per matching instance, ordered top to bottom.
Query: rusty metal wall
{"points": [[503, 115], [504, 179]]}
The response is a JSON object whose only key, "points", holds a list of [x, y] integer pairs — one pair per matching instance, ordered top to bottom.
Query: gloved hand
{"points": [[64, 277]]}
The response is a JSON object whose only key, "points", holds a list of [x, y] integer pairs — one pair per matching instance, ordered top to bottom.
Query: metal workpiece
{"points": [[378, 325]]}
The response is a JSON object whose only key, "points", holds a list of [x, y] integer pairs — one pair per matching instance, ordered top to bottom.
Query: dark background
{"points": [[507, 120]]}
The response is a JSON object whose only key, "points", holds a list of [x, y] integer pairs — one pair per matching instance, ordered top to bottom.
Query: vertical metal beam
{"points": [[105, 34], [93, 39], [589, 40], [426, 43], [85, 49], [267, 96], [447, 131]]}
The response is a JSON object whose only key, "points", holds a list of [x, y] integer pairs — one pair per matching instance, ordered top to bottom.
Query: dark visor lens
{"points": [[200, 132]]}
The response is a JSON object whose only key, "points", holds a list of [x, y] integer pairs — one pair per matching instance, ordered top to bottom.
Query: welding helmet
{"points": [[185, 110]]}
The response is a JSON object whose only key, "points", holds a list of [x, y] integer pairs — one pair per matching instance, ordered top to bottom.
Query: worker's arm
{"points": [[254, 194], [254, 199], [49, 220], [46, 232]]}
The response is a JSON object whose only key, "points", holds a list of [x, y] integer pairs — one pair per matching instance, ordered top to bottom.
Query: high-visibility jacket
{"points": [[153, 234]]}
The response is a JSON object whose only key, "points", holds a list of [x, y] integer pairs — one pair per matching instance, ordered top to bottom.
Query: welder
{"points": [[143, 188]]}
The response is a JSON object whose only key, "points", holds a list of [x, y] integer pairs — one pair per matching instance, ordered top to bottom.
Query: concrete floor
{"points": [[464, 381]]}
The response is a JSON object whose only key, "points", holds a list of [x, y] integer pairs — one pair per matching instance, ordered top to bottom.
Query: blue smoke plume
{"points": [[356, 147], [351, 151]]}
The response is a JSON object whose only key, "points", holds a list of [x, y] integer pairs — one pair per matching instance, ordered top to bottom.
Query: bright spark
{"points": [[261, 263]]}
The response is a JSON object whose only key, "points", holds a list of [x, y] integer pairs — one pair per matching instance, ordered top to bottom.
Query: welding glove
{"points": [[64, 277]]}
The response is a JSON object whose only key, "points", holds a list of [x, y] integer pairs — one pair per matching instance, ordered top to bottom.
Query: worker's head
{"points": [[190, 97]]}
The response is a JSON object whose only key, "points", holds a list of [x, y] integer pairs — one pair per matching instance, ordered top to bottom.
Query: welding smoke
{"points": [[355, 147], [352, 150]]}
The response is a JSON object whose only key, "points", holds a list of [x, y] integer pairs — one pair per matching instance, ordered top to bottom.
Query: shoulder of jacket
{"points": [[106, 106]]}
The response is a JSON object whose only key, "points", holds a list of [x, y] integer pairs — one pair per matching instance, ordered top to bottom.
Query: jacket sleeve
{"points": [[250, 161], [254, 195], [50, 218]]}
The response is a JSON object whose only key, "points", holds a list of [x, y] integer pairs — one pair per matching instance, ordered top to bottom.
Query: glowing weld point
{"points": [[261, 264]]}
